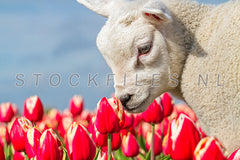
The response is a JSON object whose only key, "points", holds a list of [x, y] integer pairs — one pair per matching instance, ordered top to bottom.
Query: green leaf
{"points": [[142, 143], [7, 151], [148, 155], [120, 156], [141, 156], [163, 157]]}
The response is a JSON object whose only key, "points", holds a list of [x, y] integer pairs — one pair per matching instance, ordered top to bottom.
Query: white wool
{"points": [[199, 44]]}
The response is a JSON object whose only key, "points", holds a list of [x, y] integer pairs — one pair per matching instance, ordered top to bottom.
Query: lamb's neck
{"points": [[189, 13], [187, 16]]}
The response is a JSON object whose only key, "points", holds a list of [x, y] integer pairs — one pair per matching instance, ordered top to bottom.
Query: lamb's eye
{"points": [[142, 50]]}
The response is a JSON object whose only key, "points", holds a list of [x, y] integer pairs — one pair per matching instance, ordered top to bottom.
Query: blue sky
{"points": [[48, 38]]}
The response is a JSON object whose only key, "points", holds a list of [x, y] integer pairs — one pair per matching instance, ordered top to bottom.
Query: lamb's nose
{"points": [[125, 98]]}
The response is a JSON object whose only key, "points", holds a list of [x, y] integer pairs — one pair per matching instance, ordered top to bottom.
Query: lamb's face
{"points": [[134, 46], [136, 51]]}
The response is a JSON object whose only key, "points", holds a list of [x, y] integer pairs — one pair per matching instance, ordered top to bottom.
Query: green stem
{"points": [[152, 144], [109, 146]]}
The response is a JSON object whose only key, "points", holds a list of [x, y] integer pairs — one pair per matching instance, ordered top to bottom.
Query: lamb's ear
{"points": [[101, 7], [156, 12]]}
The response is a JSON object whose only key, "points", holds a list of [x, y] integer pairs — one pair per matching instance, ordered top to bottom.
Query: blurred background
{"points": [[48, 48]]}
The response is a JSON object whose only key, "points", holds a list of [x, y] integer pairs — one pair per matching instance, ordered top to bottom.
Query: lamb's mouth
{"points": [[136, 108]]}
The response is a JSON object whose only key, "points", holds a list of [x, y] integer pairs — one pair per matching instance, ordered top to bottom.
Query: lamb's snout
{"points": [[124, 99]]}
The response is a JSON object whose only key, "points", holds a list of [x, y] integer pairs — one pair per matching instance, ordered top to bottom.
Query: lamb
{"points": [[189, 49]]}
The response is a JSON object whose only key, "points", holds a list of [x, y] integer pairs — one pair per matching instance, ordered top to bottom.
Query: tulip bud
{"points": [[167, 103], [76, 105], [183, 108], [15, 109], [33, 109], [6, 112], [154, 113], [54, 114], [110, 115], [85, 116], [137, 118], [52, 119], [128, 120], [64, 124], [42, 126], [18, 132], [124, 132], [4, 135], [183, 138], [99, 139], [32, 142], [116, 142], [157, 142], [79, 143], [50, 147], [130, 147], [165, 148], [209, 148], [18, 155], [235, 155], [2, 156], [104, 156]]}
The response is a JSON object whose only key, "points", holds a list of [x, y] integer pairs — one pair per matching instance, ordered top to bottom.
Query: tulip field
{"points": [[164, 131]]}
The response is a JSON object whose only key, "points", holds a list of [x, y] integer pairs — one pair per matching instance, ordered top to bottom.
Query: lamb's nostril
{"points": [[125, 98]]}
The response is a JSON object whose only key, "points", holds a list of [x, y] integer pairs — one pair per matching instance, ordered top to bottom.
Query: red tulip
{"points": [[167, 103], [76, 105], [183, 108], [15, 109], [33, 109], [6, 112], [154, 113], [54, 114], [110, 115], [85, 116], [137, 118], [52, 119], [128, 120], [64, 124], [42, 126], [146, 127], [159, 127], [18, 132], [124, 132], [203, 134], [4, 135], [183, 138], [99, 139], [32, 142], [116, 142], [157, 142], [79, 143], [50, 147], [130, 147], [165, 148], [209, 148], [18, 155], [235, 155], [2, 156], [104, 156]]}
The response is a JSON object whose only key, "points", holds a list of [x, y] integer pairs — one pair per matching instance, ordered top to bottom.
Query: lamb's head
{"points": [[134, 46]]}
